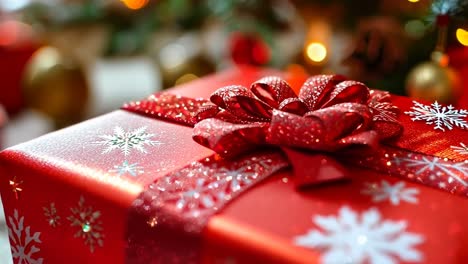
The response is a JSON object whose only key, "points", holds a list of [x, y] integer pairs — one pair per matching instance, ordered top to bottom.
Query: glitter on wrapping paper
{"points": [[172, 107], [89, 226], [24, 245]]}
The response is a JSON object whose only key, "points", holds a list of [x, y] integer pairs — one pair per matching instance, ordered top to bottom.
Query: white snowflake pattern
{"points": [[440, 116], [126, 141], [462, 149], [436, 166], [131, 168], [393, 193], [88, 224], [353, 238], [23, 245]]}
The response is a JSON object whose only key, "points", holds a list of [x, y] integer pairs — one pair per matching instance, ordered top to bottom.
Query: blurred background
{"points": [[63, 61]]}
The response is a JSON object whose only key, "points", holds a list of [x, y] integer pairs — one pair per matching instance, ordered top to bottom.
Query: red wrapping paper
{"points": [[56, 184]]}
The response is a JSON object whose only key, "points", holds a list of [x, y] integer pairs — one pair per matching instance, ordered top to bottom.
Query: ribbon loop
{"points": [[272, 90], [316, 90], [348, 91], [241, 103], [293, 105], [227, 139]]}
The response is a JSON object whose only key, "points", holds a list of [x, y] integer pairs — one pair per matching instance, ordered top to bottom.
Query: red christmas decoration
{"points": [[249, 49]]}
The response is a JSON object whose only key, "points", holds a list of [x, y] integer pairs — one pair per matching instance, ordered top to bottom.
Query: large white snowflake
{"points": [[440, 116], [126, 141], [462, 149], [131, 168], [455, 171], [393, 193], [89, 226], [366, 238], [23, 244]]}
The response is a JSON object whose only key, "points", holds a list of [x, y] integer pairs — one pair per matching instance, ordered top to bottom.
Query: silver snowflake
{"points": [[440, 116], [126, 141], [462, 149], [437, 167], [124, 168], [393, 193], [51, 215], [88, 224], [366, 238], [23, 244]]}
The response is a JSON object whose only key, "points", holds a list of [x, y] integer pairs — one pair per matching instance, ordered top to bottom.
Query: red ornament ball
{"points": [[249, 49]]}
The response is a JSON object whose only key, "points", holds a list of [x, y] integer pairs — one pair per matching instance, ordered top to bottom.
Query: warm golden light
{"points": [[413, 1], [135, 4], [462, 36], [316, 52], [186, 78]]}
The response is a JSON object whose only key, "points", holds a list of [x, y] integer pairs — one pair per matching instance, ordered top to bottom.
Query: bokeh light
{"points": [[413, 1], [135, 4], [13, 32], [462, 36], [316, 52]]}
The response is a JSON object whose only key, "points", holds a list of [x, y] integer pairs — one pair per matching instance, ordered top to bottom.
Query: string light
{"points": [[135, 4], [462, 36], [316, 52]]}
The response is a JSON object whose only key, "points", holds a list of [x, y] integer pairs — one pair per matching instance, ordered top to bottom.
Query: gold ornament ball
{"points": [[179, 60], [187, 70], [432, 82], [56, 86]]}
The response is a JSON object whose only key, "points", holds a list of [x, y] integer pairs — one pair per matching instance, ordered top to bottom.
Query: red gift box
{"points": [[84, 194]]}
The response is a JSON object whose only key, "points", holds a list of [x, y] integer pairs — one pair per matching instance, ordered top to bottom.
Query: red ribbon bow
{"points": [[330, 114]]}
